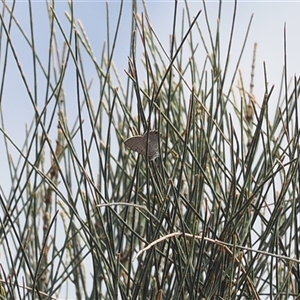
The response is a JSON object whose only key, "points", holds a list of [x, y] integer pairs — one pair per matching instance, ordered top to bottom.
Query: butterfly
{"points": [[138, 143]]}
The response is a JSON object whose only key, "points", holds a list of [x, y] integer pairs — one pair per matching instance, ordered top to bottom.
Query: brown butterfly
{"points": [[138, 144]]}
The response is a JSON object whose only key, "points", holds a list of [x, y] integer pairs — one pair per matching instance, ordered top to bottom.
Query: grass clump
{"points": [[213, 217]]}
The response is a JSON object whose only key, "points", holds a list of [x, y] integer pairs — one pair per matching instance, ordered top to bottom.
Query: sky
{"points": [[267, 30]]}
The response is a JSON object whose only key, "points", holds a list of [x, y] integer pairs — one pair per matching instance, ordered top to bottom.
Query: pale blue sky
{"points": [[266, 30]]}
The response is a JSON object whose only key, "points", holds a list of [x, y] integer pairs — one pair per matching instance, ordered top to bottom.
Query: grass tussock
{"points": [[215, 216]]}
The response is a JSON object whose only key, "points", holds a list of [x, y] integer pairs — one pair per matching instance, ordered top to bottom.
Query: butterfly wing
{"points": [[137, 144], [153, 144]]}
